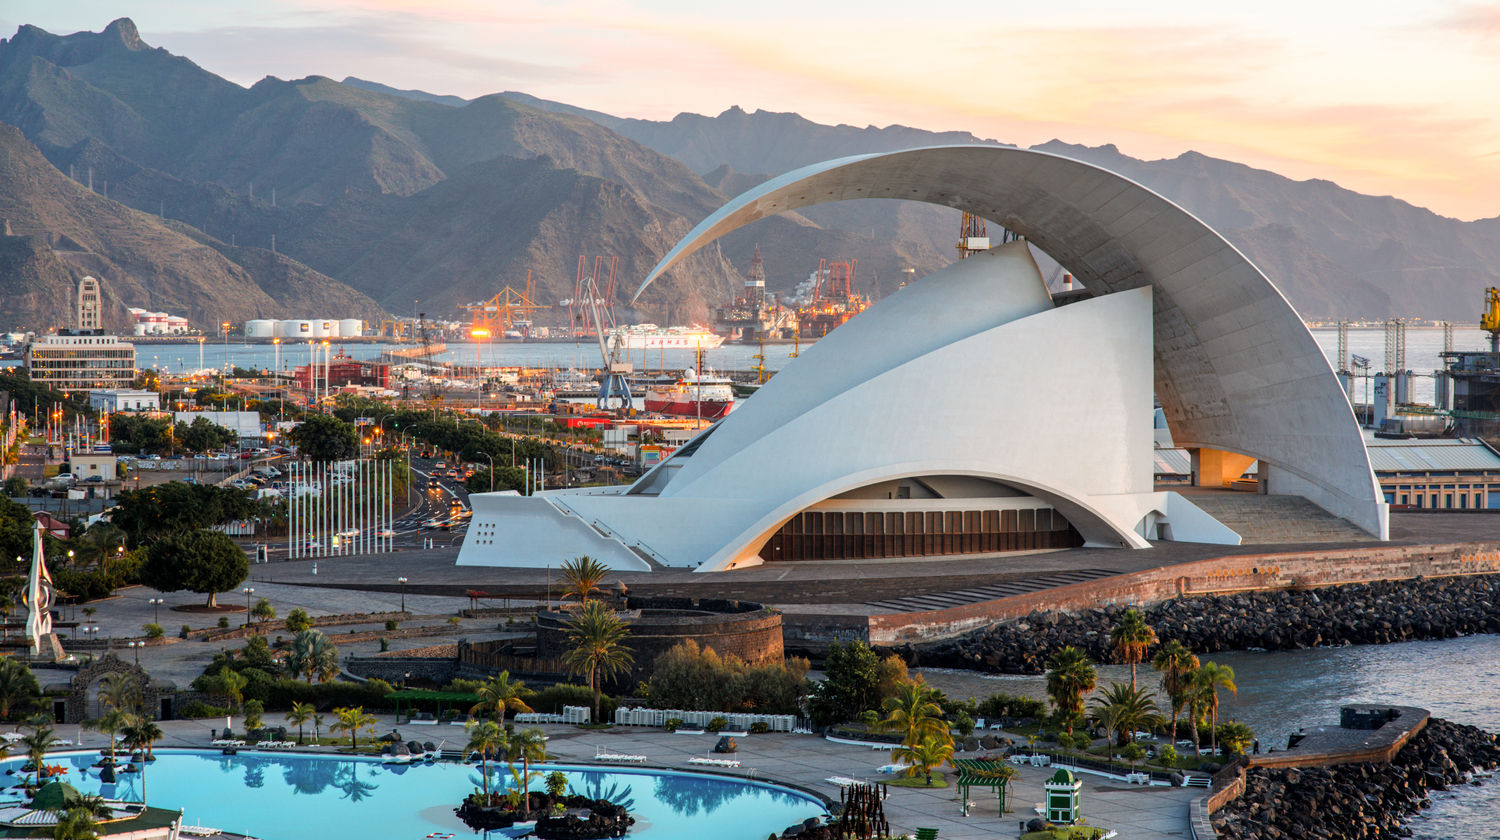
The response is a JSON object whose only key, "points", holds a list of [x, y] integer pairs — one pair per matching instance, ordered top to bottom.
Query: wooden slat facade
{"points": [[852, 535]]}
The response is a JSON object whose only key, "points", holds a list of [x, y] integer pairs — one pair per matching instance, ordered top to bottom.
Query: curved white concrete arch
{"points": [[1235, 369]]}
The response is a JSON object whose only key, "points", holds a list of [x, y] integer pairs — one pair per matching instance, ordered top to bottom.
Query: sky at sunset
{"points": [[1381, 97]]}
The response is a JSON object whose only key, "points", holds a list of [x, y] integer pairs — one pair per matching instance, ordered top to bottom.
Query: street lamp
{"points": [[481, 334], [226, 349], [492, 470], [402, 581], [248, 592], [156, 604], [136, 647]]}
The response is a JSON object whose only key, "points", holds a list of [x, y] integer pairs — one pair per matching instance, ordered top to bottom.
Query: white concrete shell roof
{"points": [[1235, 368]]}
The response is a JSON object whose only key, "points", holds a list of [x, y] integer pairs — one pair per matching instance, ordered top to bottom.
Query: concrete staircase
{"points": [[1266, 520]]}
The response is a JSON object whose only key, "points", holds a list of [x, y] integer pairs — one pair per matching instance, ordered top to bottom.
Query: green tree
{"points": [[203, 435], [323, 437], [506, 477], [16, 485], [164, 510], [203, 561], [581, 578], [263, 611], [298, 620], [596, 638], [1130, 639], [313, 655], [1177, 665], [1070, 675], [1209, 681], [233, 685], [18, 688], [849, 688], [120, 691], [500, 694], [1123, 710], [914, 713], [301, 715], [353, 720], [110, 724], [141, 734], [39, 737], [1234, 737], [488, 739], [526, 746], [925, 753], [557, 784], [76, 823]]}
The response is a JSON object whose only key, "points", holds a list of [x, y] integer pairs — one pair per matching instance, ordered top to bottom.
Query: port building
{"points": [[84, 358], [975, 412]]}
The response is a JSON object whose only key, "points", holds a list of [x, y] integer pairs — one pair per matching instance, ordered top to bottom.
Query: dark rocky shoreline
{"points": [[1362, 613], [1370, 801]]}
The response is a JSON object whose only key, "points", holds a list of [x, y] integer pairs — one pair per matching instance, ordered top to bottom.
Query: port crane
{"points": [[587, 295], [505, 311], [1489, 319], [615, 383]]}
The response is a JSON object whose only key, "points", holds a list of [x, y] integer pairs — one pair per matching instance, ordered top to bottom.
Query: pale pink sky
{"points": [[1382, 97]]}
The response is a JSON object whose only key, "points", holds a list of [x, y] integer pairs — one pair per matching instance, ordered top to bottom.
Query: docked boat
{"points": [[652, 337], [706, 395]]}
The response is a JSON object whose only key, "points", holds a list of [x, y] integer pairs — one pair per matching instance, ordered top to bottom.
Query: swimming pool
{"points": [[289, 796]]}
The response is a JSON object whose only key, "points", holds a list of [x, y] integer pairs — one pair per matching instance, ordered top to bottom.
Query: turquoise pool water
{"points": [[284, 796]]}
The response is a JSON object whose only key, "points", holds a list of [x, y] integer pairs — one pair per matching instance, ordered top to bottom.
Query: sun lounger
{"points": [[601, 755], [714, 762], [842, 781]]}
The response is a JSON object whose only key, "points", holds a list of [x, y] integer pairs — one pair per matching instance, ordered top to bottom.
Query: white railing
{"points": [[737, 721]]}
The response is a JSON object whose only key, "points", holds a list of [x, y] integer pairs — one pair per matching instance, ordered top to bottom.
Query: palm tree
{"points": [[581, 578], [1131, 638], [598, 649], [313, 655], [1176, 664], [1070, 675], [1210, 678], [17, 686], [234, 687], [119, 691], [500, 694], [1122, 709], [913, 711], [300, 715], [352, 720], [317, 722], [110, 723], [142, 734], [486, 738], [38, 741], [527, 745], [927, 752], [76, 823]]}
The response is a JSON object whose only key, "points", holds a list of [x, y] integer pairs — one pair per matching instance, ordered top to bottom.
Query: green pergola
{"points": [[417, 697], [982, 773]]}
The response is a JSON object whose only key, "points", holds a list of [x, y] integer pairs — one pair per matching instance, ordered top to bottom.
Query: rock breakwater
{"points": [[1366, 613], [1370, 800]]}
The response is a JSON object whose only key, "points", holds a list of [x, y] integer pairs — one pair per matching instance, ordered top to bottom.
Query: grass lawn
{"points": [[939, 780]]}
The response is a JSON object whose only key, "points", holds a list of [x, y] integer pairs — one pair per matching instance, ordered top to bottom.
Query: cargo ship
{"points": [[652, 337], [691, 395]]}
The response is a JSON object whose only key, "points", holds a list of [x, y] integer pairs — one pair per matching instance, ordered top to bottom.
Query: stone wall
{"points": [[1235, 573], [395, 669]]}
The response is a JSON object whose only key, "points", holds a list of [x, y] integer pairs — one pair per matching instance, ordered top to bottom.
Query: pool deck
{"points": [[804, 761]]}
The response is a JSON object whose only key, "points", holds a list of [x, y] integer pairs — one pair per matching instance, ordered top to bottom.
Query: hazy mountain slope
{"points": [[419, 95], [142, 260]]}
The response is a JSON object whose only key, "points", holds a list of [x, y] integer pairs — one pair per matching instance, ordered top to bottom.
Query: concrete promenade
{"points": [[805, 761]]}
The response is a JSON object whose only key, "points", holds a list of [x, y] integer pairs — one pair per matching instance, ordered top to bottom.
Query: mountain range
{"points": [[314, 198]]}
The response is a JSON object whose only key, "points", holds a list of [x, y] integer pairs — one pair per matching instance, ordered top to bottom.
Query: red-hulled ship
{"points": [[691, 395]]}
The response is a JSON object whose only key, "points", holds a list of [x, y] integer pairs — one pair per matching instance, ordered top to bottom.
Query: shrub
{"points": [[298, 620], [223, 622], [392, 624], [154, 630], [183, 633], [385, 644], [699, 678], [551, 699], [1012, 706], [199, 709], [254, 711], [672, 724], [717, 724], [964, 724], [759, 727], [1235, 737], [1133, 752], [1167, 755]]}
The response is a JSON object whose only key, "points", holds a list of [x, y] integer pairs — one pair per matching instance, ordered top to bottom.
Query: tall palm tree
{"points": [[581, 578], [597, 639], [1130, 639], [1177, 665], [1070, 675], [1212, 677], [234, 687], [120, 691], [500, 694], [1123, 710], [914, 713], [300, 715], [317, 722], [111, 723], [141, 734], [486, 738], [526, 746], [925, 753]]}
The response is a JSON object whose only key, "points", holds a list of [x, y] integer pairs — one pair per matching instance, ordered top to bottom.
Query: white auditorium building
{"points": [[970, 412]]}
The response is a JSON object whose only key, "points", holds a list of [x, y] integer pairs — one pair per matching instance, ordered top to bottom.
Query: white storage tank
{"points": [[260, 328], [294, 328], [351, 328], [324, 329]]}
